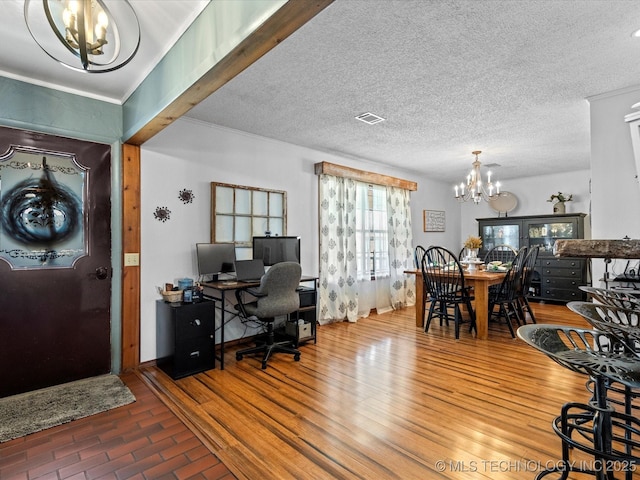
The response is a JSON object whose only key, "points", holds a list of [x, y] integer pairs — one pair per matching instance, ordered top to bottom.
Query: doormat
{"points": [[32, 412]]}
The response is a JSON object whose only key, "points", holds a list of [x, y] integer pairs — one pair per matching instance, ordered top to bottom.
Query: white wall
{"points": [[189, 155], [615, 190], [532, 194], [433, 195]]}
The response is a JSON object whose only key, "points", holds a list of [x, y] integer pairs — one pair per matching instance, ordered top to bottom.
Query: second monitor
{"points": [[274, 250], [215, 258]]}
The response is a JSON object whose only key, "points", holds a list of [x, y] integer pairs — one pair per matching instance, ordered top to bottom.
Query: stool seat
{"points": [[594, 427]]}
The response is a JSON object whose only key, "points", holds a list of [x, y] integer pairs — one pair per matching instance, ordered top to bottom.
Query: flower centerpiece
{"points": [[559, 200], [473, 242], [472, 245]]}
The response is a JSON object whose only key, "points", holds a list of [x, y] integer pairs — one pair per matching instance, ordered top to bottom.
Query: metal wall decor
{"points": [[186, 196], [42, 209], [162, 214]]}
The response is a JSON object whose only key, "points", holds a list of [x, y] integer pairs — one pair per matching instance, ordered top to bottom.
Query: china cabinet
{"points": [[555, 278]]}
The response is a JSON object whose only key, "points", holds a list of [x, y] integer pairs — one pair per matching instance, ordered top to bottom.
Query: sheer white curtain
{"points": [[372, 242], [365, 247]]}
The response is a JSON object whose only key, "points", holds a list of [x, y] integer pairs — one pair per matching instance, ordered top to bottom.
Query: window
{"points": [[239, 213], [372, 245]]}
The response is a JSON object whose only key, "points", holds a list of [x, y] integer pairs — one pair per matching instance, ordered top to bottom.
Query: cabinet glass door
{"points": [[500, 234], [545, 234]]}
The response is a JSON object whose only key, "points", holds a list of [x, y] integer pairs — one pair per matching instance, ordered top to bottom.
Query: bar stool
{"points": [[618, 298], [624, 325], [595, 427]]}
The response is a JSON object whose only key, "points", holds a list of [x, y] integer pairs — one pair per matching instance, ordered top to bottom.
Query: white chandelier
{"points": [[85, 35], [474, 189]]}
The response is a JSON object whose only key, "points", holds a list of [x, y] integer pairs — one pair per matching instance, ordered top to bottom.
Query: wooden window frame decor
{"points": [[260, 206], [434, 220]]}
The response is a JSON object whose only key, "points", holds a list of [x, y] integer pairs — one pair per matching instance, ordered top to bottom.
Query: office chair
{"points": [[276, 296]]}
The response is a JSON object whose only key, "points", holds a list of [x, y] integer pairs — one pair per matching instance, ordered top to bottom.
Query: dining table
{"points": [[480, 280]]}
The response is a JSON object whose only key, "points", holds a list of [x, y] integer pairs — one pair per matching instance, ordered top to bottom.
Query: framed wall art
{"points": [[433, 220]]}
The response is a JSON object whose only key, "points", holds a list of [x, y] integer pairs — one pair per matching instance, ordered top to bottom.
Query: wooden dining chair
{"points": [[418, 253], [502, 253], [528, 273], [444, 280], [505, 296]]}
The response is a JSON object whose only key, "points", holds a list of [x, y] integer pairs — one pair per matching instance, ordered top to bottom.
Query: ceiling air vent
{"points": [[369, 118]]}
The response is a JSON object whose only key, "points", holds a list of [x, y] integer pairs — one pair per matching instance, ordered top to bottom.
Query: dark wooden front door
{"points": [[55, 260]]}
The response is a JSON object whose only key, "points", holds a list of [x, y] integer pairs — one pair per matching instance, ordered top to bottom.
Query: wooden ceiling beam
{"points": [[288, 19]]}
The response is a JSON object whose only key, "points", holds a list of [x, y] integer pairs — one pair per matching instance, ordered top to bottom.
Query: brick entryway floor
{"points": [[142, 441]]}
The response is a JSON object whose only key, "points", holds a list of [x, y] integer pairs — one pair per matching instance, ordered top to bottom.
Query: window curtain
{"points": [[372, 235], [352, 282], [401, 285], [338, 292]]}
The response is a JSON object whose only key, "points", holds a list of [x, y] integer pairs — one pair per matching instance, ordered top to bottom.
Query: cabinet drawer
{"points": [[560, 262], [561, 273], [561, 282], [562, 294], [195, 321], [194, 356]]}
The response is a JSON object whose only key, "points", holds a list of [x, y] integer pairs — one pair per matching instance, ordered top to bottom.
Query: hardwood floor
{"points": [[378, 399], [382, 399]]}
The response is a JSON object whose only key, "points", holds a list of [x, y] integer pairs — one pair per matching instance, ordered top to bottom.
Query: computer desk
{"points": [[223, 286]]}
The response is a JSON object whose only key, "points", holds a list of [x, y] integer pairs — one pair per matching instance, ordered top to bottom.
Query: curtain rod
{"points": [[326, 168]]}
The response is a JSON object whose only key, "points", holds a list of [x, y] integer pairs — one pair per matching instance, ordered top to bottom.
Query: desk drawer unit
{"points": [[560, 278], [185, 340]]}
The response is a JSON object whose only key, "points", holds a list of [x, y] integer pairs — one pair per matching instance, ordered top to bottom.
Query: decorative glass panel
{"points": [[224, 200], [243, 201], [260, 203], [276, 204], [42, 209], [240, 213], [260, 226], [276, 226], [224, 228], [243, 230], [244, 253]]}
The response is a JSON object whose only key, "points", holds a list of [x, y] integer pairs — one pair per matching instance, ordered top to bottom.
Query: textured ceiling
{"points": [[510, 78]]}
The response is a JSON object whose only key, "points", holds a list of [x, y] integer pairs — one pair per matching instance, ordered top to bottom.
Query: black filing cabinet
{"points": [[185, 337]]}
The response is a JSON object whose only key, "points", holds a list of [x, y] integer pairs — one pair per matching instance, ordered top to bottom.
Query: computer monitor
{"points": [[274, 250], [215, 258]]}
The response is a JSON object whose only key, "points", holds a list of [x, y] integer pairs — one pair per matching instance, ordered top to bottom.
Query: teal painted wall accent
{"points": [[218, 29], [31, 107], [40, 109]]}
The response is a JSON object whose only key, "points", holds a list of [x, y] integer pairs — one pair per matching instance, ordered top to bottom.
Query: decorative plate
{"points": [[504, 202]]}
